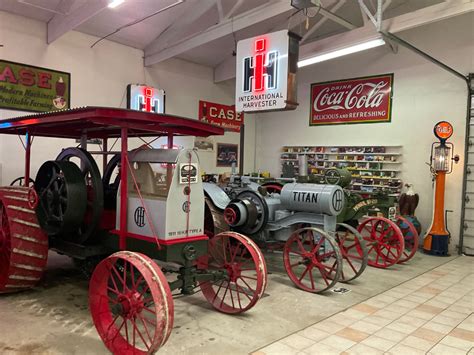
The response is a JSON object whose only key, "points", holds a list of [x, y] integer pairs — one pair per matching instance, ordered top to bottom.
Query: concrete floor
{"points": [[54, 317]]}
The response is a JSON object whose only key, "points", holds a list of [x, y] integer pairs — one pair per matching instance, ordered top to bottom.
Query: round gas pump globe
{"points": [[443, 130]]}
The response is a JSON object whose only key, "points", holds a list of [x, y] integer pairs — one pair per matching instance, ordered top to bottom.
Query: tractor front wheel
{"points": [[245, 273], [131, 304]]}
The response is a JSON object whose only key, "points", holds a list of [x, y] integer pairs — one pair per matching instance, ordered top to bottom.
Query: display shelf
{"points": [[373, 168]]}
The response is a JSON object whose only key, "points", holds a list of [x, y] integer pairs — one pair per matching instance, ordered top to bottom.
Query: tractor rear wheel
{"points": [[411, 238], [384, 240], [23, 244], [353, 251], [131, 303]]}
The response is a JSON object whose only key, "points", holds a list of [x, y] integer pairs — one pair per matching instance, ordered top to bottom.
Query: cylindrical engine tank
{"points": [[323, 199]]}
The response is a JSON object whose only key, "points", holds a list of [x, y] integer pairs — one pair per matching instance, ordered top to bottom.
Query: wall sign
{"points": [[266, 72], [29, 88], [145, 98], [357, 100], [221, 115], [227, 154]]}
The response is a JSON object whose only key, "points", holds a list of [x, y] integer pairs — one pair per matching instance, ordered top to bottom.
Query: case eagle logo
{"points": [[260, 71]]}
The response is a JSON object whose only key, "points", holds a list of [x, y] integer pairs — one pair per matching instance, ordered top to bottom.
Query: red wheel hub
{"points": [[230, 216], [234, 270]]}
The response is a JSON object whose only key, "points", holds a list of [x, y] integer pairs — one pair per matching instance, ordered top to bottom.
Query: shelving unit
{"points": [[373, 168]]}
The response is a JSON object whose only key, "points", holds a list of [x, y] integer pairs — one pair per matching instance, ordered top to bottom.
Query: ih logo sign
{"points": [[260, 71], [266, 72], [145, 98]]}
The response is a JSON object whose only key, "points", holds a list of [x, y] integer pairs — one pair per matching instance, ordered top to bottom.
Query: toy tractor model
{"points": [[152, 209], [302, 220], [390, 238]]}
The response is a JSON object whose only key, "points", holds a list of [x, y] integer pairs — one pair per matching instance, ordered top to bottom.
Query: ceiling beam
{"points": [[234, 8], [220, 10], [427, 15], [421, 17], [336, 18], [321, 22], [60, 24], [178, 27], [225, 28]]}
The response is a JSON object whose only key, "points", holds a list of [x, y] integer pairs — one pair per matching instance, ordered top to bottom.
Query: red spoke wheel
{"points": [[410, 234], [384, 240], [23, 244], [353, 251], [312, 260], [245, 273], [131, 304]]}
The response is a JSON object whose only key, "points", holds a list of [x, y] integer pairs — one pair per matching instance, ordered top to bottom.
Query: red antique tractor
{"points": [[149, 205]]}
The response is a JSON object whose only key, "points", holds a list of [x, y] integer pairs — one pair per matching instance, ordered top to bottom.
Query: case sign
{"points": [[266, 72], [28, 88], [145, 98], [358, 100], [221, 115]]}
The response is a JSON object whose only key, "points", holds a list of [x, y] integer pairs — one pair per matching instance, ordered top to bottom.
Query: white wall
{"points": [[99, 76], [423, 95]]}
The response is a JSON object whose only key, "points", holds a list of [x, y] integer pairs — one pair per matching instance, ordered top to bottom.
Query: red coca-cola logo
{"points": [[354, 100]]}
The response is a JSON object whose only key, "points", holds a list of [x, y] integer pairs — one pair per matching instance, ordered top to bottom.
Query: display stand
{"points": [[373, 168]]}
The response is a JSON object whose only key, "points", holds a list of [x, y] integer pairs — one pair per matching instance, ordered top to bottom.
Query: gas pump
{"points": [[441, 163]]}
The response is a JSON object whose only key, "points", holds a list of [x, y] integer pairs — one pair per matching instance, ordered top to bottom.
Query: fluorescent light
{"points": [[114, 3], [340, 52]]}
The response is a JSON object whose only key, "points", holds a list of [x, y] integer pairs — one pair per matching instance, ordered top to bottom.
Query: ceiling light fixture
{"points": [[114, 3], [341, 52]]}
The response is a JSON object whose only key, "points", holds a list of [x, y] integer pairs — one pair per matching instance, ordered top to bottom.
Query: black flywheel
{"points": [[94, 190]]}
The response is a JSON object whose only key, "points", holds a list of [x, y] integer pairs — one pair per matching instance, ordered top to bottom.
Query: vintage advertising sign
{"points": [[266, 72], [29, 88], [145, 98], [359, 100], [221, 115], [443, 130]]}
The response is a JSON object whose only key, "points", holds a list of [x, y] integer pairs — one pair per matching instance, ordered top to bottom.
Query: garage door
{"points": [[467, 221]]}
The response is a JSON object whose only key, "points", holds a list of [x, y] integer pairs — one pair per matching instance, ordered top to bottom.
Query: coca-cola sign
{"points": [[357, 100]]}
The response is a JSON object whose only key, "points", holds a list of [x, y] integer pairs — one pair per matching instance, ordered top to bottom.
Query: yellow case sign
{"points": [[29, 88]]}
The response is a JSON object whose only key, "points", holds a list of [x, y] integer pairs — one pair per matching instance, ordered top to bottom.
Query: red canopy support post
{"points": [[27, 158], [169, 167], [123, 190]]}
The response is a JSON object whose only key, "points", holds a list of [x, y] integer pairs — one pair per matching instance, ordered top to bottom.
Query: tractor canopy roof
{"points": [[105, 122]]}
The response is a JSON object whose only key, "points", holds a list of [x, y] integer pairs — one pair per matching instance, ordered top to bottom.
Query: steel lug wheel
{"points": [[410, 236], [384, 240], [353, 252], [312, 260], [244, 269], [131, 304]]}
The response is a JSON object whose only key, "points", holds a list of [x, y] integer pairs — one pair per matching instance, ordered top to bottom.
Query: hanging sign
{"points": [[266, 72], [28, 88], [145, 98], [358, 100], [221, 115]]}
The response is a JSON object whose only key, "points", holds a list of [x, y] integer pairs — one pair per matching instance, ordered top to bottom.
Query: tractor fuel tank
{"points": [[323, 199]]}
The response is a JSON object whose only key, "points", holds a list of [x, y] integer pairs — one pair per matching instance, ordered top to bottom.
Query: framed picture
{"points": [[204, 143], [227, 154]]}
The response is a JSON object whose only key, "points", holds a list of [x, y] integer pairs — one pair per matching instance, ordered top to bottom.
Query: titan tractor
{"points": [[148, 205], [300, 220], [390, 238]]}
